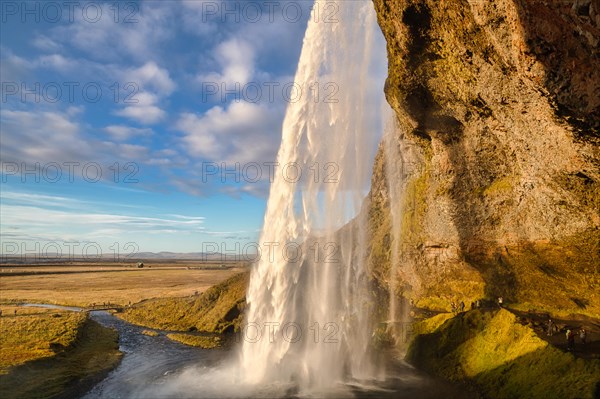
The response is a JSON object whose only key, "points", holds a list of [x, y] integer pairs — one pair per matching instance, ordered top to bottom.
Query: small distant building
{"points": [[140, 265]]}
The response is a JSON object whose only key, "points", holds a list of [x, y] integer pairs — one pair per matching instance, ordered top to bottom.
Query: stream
{"points": [[156, 367]]}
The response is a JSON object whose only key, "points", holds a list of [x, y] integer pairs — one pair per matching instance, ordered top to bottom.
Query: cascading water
{"points": [[394, 165], [396, 172], [308, 310]]}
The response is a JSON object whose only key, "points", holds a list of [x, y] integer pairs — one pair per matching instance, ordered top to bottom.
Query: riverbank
{"points": [[205, 320], [48, 353]]}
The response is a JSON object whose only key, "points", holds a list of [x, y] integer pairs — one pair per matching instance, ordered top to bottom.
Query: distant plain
{"points": [[96, 283]]}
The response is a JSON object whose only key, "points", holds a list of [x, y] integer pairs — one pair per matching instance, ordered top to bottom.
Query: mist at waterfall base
{"points": [[310, 311]]}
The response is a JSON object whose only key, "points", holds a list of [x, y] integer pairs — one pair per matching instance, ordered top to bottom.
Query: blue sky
{"points": [[119, 118]]}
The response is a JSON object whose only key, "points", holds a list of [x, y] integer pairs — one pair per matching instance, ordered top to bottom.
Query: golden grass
{"points": [[116, 287], [9, 310], [216, 310], [162, 314], [150, 333], [27, 337], [196, 340], [69, 373]]}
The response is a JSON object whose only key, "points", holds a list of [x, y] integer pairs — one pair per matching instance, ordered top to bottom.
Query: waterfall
{"points": [[401, 163], [395, 172], [308, 303]]}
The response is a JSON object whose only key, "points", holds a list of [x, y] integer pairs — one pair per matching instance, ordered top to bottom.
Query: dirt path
{"points": [[539, 323]]}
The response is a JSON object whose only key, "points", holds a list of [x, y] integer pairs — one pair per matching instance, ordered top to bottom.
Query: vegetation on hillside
{"points": [[217, 310], [28, 336], [202, 341], [44, 356], [502, 357]]}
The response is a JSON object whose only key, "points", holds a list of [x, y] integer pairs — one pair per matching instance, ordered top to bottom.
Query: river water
{"points": [[148, 362], [156, 367]]}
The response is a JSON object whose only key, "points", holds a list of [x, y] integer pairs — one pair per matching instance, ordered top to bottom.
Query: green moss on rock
{"points": [[501, 357]]}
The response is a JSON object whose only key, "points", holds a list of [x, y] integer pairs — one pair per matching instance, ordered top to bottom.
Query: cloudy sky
{"points": [[120, 121]]}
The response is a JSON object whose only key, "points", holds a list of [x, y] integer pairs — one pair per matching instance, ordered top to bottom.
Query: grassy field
{"points": [[84, 285], [217, 310], [35, 333], [82, 352]]}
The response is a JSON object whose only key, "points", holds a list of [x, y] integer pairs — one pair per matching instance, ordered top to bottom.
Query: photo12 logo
{"points": [[268, 11], [52, 12], [128, 12], [69, 92], [271, 92], [54, 172], [253, 172], [27, 251], [290, 252], [291, 332]]}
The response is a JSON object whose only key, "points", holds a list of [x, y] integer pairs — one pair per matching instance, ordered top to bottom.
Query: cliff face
{"points": [[498, 117]]}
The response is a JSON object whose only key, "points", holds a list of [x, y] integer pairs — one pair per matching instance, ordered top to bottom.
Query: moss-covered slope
{"points": [[217, 310], [503, 358], [83, 361]]}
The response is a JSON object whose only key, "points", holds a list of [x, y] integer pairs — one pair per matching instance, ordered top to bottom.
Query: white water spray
{"points": [[308, 312]]}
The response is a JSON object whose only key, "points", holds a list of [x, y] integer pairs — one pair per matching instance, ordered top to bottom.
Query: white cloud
{"points": [[198, 19], [139, 37], [45, 43], [146, 53], [236, 59], [58, 62], [12, 67], [152, 76], [153, 83], [73, 110], [145, 114], [243, 132], [122, 133], [41, 137], [45, 137], [202, 142], [132, 151], [167, 157], [189, 187], [37, 199], [40, 219]]}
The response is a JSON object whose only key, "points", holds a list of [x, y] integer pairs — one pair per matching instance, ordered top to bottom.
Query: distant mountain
{"points": [[141, 256]]}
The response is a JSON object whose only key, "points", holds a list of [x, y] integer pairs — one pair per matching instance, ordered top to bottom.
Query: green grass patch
{"points": [[502, 185], [197, 340], [501, 357]]}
